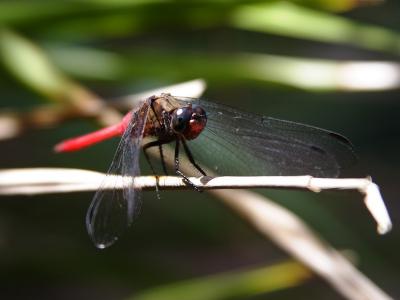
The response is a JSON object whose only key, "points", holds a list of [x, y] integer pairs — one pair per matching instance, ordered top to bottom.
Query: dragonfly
{"points": [[229, 140]]}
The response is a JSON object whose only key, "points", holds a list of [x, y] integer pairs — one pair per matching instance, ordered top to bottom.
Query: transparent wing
{"points": [[238, 143], [112, 209]]}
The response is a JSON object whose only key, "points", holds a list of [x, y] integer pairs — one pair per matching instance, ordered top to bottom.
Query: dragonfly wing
{"points": [[239, 143], [113, 208]]}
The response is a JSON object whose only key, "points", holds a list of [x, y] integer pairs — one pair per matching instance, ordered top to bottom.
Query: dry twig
{"points": [[13, 123], [52, 180], [272, 220]]}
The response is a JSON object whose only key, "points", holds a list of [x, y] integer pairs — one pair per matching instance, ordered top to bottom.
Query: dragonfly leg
{"points": [[153, 144], [145, 148], [191, 159], [164, 166], [179, 172]]}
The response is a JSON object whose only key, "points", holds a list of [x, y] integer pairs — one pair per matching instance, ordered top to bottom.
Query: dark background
{"points": [[118, 49]]}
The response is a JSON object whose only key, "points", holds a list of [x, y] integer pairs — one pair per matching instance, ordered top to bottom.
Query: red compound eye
{"points": [[197, 122]]}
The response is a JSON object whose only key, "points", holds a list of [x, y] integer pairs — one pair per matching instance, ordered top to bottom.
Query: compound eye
{"points": [[198, 113], [181, 118]]}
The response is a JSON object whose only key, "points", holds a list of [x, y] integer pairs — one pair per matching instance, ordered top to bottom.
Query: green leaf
{"points": [[288, 19], [30, 65], [234, 284]]}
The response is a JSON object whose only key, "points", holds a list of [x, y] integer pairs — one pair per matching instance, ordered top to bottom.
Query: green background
{"points": [[116, 48]]}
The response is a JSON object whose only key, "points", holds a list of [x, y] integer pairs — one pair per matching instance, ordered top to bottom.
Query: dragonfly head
{"points": [[188, 121]]}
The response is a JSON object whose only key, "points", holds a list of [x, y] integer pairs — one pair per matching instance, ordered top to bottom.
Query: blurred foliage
{"points": [[253, 54], [41, 76], [232, 285]]}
